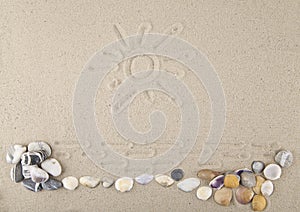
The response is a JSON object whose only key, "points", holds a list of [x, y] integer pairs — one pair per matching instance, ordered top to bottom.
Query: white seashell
{"points": [[39, 145], [14, 153], [52, 166], [272, 172], [38, 175], [144, 179], [164, 180], [89, 181], [107, 182], [70, 183], [124, 184], [188, 184], [267, 188], [204, 192]]}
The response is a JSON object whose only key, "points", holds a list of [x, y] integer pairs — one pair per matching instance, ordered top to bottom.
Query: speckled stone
{"points": [[14, 153], [284, 158], [257, 166], [272, 172], [16, 173], [177, 174], [207, 174], [144, 179], [248, 179], [164, 180], [89, 181], [231, 181], [259, 182], [70, 183], [51, 184], [124, 184], [188, 184], [32, 186], [267, 188], [204, 193], [244, 195], [223, 196], [259, 203]]}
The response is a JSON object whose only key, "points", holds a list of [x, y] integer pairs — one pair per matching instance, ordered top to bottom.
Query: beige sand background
{"points": [[253, 45]]}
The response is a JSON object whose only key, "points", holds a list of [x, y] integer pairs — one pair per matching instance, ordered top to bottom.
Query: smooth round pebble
{"points": [[39, 145], [14, 153], [284, 158], [52, 166], [257, 166], [272, 172], [177, 174], [207, 174], [38, 175], [144, 179], [248, 179], [164, 180], [89, 181], [231, 181], [259, 181], [107, 182], [217, 182], [70, 183], [124, 184], [188, 184], [267, 188], [204, 193], [244, 195], [223, 196], [259, 203]]}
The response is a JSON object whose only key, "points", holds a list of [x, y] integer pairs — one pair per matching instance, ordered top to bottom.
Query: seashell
{"points": [[38, 146], [14, 153], [33, 158], [284, 158], [52, 166], [257, 166], [26, 171], [240, 171], [272, 171], [16, 173], [177, 174], [207, 174], [38, 175], [144, 179], [248, 179], [164, 180], [231, 181], [90, 182], [107, 182], [217, 182], [259, 182], [70, 183], [51, 184], [124, 184], [189, 184], [32, 186], [267, 188], [204, 193], [244, 195], [223, 196], [259, 203]]}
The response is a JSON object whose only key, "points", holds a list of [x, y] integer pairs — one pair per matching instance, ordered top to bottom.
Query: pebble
{"points": [[39, 145], [14, 153], [33, 158], [284, 158], [52, 166], [257, 166], [26, 171], [272, 172], [16, 173], [177, 174], [207, 174], [38, 175], [144, 179], [248, 179], [164, 180], [89, 181], [231, 181], [107, 182], [217, 182], [259, 182], [70, 183], [52, 184], [124, 184], [189, 184], [30, 185], [267, 188], [204, 193], [244, 195], [223, 196], [259, 203]]}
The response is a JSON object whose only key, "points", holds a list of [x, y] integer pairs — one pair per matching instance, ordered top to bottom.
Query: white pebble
{"points": [[39, 145], [14, 153], [52, 166], [272, 171], [38, 175], [89, 181], [107, 182], [70, 183], [124, 184], [189, 184], [267, 188], [204, 193]]}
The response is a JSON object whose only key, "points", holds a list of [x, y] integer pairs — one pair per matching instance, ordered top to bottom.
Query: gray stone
{"points": [[33, 158], [284, 158], [257, 166], [16, 173], [177, 174], [248, 179], [52, 184], [32, 186]]}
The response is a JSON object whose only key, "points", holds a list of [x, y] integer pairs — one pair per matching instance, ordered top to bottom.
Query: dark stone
{"points": [[33, 158], [16, 173], [177, 174], [51, 184], [32, 186]]}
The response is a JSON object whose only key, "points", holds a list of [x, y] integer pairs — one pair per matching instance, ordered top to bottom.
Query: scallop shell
{"points": [[124, 184]]}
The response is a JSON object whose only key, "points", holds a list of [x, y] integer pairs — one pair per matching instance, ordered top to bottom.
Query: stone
{"points": [[38, 146], [14, 153], [33, 158], [284, 158], [52, 166], [257, 166], [26, 171], [272, 172], [16, 173], [177, 174], [207, 174], [38, 175], [144, 179], [248, 179], [164, 180], [89, 181], [231, 181], [107, 182], [217, 182], [259, 182], [70, 183], [51, 184], [124, 184], [188, 184], [32, 186], [267, 188], [204, 192], [244, 195], [223, 196], [259, 203]]}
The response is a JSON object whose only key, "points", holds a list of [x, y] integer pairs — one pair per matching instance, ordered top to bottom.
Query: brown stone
{"points": [[207, 174], [231, 181], [259, 181], [244, 195], [223, 196], [259, 203]]}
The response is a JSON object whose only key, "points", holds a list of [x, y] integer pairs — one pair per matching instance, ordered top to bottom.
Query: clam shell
{"points": [[38, 146], [14, 153], [284, 158], [52, 166], [272, 172], [207, 174], [144, 179], [248, 179], [164, 180], [89, 181], [231, 181], [217, 182], [259, 182], [70, 183], [124, 184], [189, 184], [267, 188], [204, 192], [244, 195], [223, 196], [259, 203]]}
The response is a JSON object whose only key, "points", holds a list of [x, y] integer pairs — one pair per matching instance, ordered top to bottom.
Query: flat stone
{"points": [[38, 146], [14, 153], [33, 158], [284, 158], [52, 166], [257, 166], [26, 171], [272, 172], [16, 173], [177, 174], [207, 174], [38, 175], [144, 179], [248, 179], [164, 180], [89, 181], [231, 181], [107, 182], [217, 182], [259, 182], [70, 183], [51, 184], [124, 184], [188, 184], [32, 186], [267, 188], [204, 192], [244, 195], [223, 196], [259, 203]]}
